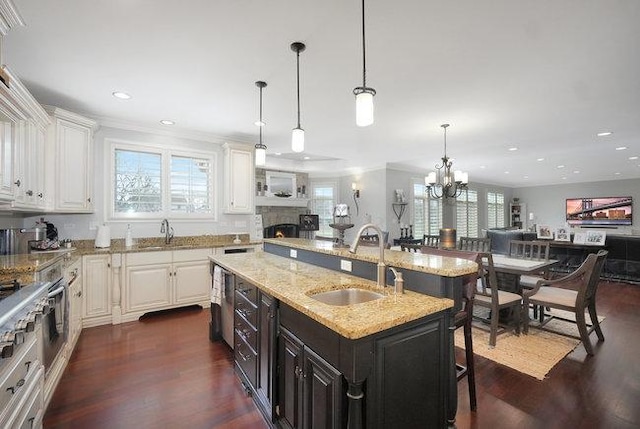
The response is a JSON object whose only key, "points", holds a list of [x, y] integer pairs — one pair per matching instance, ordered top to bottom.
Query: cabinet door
{"points": [[8, 131], [74, 166], [239, 176], [192, 282], [148, 287], [96, 294], [75, 311], [266, 352], [290, 378], [322, 393]]}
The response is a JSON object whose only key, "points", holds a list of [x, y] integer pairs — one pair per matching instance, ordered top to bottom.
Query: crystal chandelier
{"points": [[444, 183]]}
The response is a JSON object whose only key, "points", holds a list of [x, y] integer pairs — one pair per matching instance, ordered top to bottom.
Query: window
{"points": [[154, 183], [322, 203], [495, 210], [427, 212], [467, 214]]}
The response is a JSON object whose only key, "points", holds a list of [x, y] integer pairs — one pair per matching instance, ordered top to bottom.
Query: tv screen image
{"points": [[606, 211]]}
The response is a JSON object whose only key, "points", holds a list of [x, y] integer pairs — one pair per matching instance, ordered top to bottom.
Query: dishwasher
{"points": [[221, 324]]}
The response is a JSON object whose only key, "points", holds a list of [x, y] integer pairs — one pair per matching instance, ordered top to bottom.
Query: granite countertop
{"points": [[432, 264], [23, 267], [292, 282]]}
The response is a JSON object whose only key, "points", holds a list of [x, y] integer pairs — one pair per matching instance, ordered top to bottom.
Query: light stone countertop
{"points": [[432, 264], [292, 282]]}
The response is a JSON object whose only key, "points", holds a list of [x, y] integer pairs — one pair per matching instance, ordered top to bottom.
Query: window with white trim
{"points": [[152, 183], [323, 200], [495, 210], [427, 212], [467, 214]]}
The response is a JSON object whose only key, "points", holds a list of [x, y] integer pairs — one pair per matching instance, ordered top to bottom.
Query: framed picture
{"points": [[309, 222], [544, 232], [563, 234], [580, 238], [596, 238]]}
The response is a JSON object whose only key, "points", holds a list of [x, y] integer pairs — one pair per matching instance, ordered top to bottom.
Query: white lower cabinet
{"points": [[74, 276], [166, 279], [96, 290]]}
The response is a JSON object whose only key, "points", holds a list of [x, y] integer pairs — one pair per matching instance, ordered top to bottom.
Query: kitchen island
{"points": [[383, 363]]}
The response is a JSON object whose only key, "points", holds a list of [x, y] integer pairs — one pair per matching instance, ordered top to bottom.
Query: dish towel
{"points": [[216, 290]]}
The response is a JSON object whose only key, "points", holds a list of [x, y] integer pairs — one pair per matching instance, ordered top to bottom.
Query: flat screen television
{"points": [[606, 211]]}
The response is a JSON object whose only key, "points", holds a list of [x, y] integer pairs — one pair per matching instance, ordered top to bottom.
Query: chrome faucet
{"points": [[166, 230], [382, 272], [398, 281]]}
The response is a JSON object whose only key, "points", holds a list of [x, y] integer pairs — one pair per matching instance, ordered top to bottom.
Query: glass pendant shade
{"points": [[364, 109], [297, 140], [261, 156]]}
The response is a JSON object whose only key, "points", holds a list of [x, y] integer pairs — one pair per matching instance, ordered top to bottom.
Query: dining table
{"points": [[508, 270]]}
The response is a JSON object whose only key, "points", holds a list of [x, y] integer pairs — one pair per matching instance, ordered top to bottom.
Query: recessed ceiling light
{"points": [[121, 95], [167, 122], [260, 123], [604, 134], [621, 148], [512, 149], [278, 153], [307, 157], [633, 157], [540, 159], [483, 166], [560, 166], [576, 171], [506, 172], [617, 173], [526, 177], [564, 177]]}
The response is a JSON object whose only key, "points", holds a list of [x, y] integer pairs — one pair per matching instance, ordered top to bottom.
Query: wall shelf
{"points": [[282, 202]]}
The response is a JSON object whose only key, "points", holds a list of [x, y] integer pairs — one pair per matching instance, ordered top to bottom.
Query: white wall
{"points": [[547, 203], [79, 226]]}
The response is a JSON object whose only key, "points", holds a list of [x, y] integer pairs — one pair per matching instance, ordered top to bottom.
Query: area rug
{"points": [[534, 354]]}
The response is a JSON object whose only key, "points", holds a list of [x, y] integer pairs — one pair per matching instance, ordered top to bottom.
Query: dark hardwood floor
{"points": [[163, 372]]}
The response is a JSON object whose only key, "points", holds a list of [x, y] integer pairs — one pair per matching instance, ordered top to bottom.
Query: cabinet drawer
{"points": [[247, 290], [246, 310], [246, 332], [246, 360], [22, 366]]}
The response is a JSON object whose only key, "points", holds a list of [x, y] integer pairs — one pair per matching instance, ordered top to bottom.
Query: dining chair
{"points": [[431, 240], [474, 244], [411, 247], [532, 250], [576, 293], [489, 296], [463, 318]]}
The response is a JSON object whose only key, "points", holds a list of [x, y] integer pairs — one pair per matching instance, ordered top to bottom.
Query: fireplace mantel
{"points": [[282, 202]]}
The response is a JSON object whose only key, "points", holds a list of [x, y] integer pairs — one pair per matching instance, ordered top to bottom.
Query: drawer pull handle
{"points": [[28, 364]]}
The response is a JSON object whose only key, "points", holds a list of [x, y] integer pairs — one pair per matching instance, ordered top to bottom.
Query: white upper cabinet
{"points": [[71, 138], [22, 156], [239, 173]]}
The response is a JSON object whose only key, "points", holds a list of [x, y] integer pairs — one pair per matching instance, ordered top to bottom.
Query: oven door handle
{"points": [[55, 292]]}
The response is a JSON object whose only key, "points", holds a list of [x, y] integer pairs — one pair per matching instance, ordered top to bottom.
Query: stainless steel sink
{"points": [[347, 296]]}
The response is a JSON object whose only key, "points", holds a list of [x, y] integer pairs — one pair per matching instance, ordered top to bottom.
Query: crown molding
{"points": [[9, 17]]}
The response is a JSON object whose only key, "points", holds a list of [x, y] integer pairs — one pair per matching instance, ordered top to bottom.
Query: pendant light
{"points": [[364, 95], [297, 135], [261, 149]]}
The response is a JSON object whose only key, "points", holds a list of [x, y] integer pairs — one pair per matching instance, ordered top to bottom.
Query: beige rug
{"points": [[534, 354]]}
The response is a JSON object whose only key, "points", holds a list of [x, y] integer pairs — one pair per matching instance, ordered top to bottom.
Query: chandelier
{"points": [[444, 183]]}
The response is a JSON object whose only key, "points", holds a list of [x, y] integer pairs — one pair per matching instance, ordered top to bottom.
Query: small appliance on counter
{"points": [[20, 240], [50, 241]]}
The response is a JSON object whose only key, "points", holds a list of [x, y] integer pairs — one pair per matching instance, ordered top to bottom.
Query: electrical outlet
{"points": [[293, 253], [345, 265]]}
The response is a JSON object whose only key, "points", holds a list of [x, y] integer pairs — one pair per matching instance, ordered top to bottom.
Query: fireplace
{"points": [[281, 230]]}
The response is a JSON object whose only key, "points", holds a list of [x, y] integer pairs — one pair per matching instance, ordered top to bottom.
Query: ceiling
{"points": [[543, 77]]}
